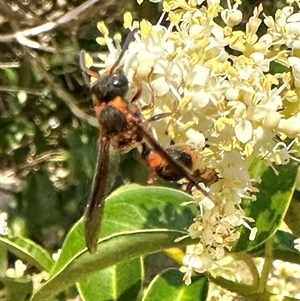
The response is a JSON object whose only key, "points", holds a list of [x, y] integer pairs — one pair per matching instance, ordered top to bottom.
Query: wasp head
{"points": [[111, 85]]}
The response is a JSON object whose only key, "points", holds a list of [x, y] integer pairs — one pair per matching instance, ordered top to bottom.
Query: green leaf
{"points": [[11, 77], [273, 199], [131, 208], [292, 217], [137, 220], [283, 248], [112, 250], [28, 251], [120, 282], [169, 286], [13, 289]]}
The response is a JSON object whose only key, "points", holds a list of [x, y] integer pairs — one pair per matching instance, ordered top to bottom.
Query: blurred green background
{"points": [[47, 145]]}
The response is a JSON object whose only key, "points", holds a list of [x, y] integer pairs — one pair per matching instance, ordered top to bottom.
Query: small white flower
{"points": [[232, 17], [295, 64], [160, 86], [232, 94], [271, 120], [290, 126], [243, 131], [195, 138], [280, 154], [3, 223], [297, 244], [56, 255], [196, 259], [18, 271]]}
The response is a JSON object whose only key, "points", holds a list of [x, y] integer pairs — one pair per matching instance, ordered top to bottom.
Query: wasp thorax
{"points": [[111, 85]]}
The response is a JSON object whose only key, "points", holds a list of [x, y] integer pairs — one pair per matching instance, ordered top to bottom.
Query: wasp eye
{"points": [[119, 80]]}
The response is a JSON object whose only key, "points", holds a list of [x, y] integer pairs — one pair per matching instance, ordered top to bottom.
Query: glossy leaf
{"points": [[273, 199], [131, 208], [292, 217], [137, 220], [283, 248], [28, 251], [120, 282], [169, 286], [15, 289]]}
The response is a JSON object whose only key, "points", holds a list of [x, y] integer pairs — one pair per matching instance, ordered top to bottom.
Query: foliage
{"points": [[48, 150]]}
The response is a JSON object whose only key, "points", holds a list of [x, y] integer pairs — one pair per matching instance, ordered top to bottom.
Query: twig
{"points": [[21, 35], [9, 65], [12, 89], [61, 92], [54, 155]]}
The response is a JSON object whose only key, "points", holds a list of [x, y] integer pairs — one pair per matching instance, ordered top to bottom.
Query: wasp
{"points": [[122, 128], [183, 154]]}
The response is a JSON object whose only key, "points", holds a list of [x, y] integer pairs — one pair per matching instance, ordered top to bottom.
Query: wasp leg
{"points": [[139, 89], [150, 106]]}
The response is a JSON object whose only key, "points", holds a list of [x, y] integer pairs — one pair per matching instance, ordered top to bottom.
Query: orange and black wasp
{"points": [[122, 127], [183, 154]]}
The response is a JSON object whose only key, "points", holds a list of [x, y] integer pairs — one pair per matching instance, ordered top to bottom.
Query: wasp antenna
{"points": [[128, 40], [84, 68]]}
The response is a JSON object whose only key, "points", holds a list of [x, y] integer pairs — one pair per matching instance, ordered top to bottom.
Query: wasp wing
{"points": [[176, 164], [103, 181]]}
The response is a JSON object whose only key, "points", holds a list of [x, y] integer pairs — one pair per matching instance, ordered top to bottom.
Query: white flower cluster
{"points": [[217, 82], [277, 283]]}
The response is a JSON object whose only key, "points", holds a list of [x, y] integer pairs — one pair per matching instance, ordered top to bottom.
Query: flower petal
{"points": [[243, 131]]}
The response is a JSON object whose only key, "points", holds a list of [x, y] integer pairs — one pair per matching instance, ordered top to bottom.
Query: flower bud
{"points": [[232, 17], [271, 120]]}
